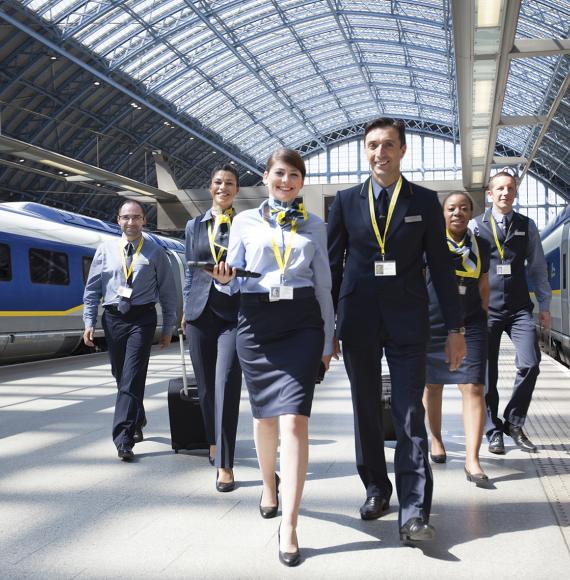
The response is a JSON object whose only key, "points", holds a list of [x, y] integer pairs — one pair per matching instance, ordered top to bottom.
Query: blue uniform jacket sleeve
{"points": [[188, 255], [537, 269], [322, 281], [93, 290], [166, 291]]}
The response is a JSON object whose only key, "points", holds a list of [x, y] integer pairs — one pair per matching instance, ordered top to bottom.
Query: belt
{"points": [[298, 293], [134, 309]]}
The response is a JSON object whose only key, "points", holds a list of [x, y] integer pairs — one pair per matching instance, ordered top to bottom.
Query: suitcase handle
{"points": [[183, 358]]}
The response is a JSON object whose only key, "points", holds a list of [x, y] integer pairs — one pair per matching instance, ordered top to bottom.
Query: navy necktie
{"points": [[381, 209], [125, 303]]}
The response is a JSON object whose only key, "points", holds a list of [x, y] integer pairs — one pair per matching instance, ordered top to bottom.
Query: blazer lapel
{"points": [[365, 206], [401, 208]]}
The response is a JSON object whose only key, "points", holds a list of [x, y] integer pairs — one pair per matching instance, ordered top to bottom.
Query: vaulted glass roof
{"points": [[267, 73], [258, 74]]}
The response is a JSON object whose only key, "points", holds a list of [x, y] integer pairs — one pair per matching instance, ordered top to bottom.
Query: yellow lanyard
{"points": [[220, 219], [382, 240], [498, 244], [282, 260], [469, 272], [128, 273]]}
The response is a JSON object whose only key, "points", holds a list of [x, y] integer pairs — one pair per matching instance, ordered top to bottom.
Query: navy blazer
{"points": [[398, 303]]}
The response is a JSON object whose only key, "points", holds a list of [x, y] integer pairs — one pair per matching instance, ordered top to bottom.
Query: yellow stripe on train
{"points": [[555, 292], [41, 312]]}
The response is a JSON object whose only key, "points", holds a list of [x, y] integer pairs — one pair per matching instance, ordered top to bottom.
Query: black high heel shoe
{"points": [[479, 479], [225, 486], [270, 511], [288, 558]]}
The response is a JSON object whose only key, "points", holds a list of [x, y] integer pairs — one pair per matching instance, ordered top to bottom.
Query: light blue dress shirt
{"points": [[251, 247], [535, 261], [152, 280]]}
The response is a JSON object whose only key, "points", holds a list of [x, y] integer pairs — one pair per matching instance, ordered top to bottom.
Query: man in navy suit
{"points": [[379, 233]]}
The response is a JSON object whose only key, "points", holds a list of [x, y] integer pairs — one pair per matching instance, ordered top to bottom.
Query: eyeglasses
{"points": [[131, 218]]}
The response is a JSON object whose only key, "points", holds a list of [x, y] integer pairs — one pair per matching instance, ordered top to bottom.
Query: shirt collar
{"points": [[377, 188], [207, 216], [499, 216], [125, 241]]}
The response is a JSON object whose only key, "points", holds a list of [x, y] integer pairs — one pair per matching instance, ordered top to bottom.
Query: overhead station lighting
{"points": [[489, 13], [61, 166]]}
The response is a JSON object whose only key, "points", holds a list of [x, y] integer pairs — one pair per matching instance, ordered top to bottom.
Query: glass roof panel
{"points": [[261, 72]]}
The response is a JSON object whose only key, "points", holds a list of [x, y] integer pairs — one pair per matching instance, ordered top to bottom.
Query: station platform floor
{"points": [[70, 509]]}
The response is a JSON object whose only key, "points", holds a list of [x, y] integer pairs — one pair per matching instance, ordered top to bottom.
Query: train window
{"points": [[5, 263], [86, 266], [48, 267]]}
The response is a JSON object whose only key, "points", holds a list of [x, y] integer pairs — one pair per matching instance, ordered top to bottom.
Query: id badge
{"points": [[385, 268], [503, 269], [462, 289], [125, 292], [280, 293]]}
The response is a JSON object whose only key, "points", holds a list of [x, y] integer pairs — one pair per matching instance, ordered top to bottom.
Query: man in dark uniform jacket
{"points": [[378, 234], [514, 240]]}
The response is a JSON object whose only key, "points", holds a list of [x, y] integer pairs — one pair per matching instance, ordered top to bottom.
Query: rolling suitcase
{"points": [[386, 409], [186, 423]]}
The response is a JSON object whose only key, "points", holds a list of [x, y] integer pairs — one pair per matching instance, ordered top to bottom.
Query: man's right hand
{"points": [[183, 324], [88, 336]]}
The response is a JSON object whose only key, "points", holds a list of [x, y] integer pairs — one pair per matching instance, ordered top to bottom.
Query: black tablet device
{"points": [[209, 267]]}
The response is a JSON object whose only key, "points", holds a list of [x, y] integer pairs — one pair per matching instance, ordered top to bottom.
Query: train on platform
{"points": [[556, 243], [45, 255]]}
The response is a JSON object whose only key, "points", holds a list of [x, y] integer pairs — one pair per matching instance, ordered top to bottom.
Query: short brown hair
{"points": [[387, 122], [289, 156], [225, 167], [502, 173], [131, 201]]}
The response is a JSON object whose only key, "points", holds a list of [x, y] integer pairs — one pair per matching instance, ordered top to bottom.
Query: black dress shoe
{"points": [[138, 435], [520, 439], [496, 444], [125, 452], [438, 458], [477, 478], [222, 486], [374, 507], [268, 512], [416, 530], [288, 558]]}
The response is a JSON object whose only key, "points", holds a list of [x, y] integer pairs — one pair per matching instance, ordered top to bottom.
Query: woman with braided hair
{"points": [[470, 256]]}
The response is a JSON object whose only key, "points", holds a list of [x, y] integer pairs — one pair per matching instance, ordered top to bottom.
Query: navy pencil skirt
{"points": [[280, 345], [473, 367]]}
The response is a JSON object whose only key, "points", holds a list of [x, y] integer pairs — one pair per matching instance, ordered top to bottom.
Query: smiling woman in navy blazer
{"points": [[210, 323]]}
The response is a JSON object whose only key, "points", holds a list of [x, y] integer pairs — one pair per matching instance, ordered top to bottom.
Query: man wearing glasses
{"points": [[130, 275]]}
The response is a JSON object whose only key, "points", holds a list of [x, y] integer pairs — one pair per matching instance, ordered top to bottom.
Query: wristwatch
{"points": [[460, 330]]}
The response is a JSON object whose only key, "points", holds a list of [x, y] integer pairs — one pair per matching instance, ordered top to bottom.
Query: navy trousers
{"points": [[520, 327], [129, 338], [212, 346], [414, 480]]}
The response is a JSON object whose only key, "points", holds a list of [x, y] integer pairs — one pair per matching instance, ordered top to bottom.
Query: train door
{"points": [[564, 282]]}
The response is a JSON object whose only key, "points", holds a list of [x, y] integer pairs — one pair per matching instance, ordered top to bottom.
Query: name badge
{"points": [[412, 218], [517, 233], [385, 268], [503, 269], [462, 289], [125, 292], [280, 293]]}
